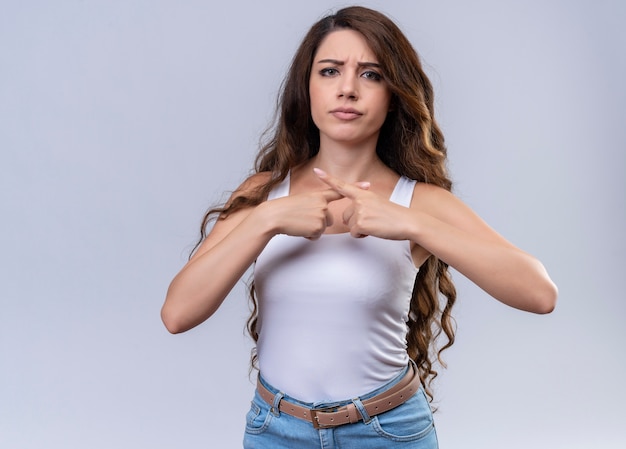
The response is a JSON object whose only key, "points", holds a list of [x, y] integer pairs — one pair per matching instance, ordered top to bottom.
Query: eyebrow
{"points": [[337, 62]]}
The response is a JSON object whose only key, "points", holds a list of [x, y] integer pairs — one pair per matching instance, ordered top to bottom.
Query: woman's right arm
{"points": [[233, 244]]}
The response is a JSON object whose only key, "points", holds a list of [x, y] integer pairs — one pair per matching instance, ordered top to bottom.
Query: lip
{"points": [[346, 113]]}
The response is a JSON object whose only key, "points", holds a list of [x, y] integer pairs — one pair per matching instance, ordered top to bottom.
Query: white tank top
{"points": [[332, 312]]}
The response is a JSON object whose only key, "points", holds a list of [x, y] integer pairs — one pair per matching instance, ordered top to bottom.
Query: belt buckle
{"points": [[315, 419]]}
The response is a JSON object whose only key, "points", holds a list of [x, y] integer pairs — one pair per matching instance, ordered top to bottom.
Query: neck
{"points": [[351, 164]]}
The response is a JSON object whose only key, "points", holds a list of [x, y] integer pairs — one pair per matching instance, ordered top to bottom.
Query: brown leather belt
{"points": [[337, 416]]}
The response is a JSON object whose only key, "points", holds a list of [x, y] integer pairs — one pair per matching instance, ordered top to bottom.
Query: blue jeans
{"points": [[409, 426]]}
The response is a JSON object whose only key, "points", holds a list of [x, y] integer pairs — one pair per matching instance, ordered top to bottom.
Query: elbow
{"points": [[545, 292], [540, 299], [546, 300], [545, 308], [173, 313], [179, 318], [173, 323], [173, 329]]}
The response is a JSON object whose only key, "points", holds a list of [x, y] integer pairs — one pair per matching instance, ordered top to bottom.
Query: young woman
{"points": [[351, 226]]}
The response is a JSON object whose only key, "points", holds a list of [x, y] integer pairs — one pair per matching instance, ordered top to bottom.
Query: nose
{"points": [[348, 88]]}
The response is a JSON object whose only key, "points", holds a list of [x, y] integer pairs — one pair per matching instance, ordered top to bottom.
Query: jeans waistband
{"points": [[385, 398]]}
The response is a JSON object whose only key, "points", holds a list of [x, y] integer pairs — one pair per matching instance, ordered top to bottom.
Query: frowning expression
{"points": [[349, 96]]}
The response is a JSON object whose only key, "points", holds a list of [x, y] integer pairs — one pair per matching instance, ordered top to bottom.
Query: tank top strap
{"points": [[281, 189], [403, 192]]}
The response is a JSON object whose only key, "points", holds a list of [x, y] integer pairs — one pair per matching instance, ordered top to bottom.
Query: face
{"points": [[349, 98]]}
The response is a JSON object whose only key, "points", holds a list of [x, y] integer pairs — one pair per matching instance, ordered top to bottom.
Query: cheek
{"points": [[385, 105], [316, 106]]}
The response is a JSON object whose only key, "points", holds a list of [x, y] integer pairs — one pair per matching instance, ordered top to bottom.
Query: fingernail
{"points": [[319, 172]]}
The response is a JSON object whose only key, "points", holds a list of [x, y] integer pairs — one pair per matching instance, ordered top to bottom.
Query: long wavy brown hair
{"points": [[410, 142]]}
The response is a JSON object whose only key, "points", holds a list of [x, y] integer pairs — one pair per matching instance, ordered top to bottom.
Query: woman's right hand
{"points": [[302, 215], [231, 247]]}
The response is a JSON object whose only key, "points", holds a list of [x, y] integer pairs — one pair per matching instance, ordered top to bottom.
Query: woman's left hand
{"points": [[368, 213]]}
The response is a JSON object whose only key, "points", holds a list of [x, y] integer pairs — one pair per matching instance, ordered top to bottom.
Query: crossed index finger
{"points": [[339, 185], [331, 195]]}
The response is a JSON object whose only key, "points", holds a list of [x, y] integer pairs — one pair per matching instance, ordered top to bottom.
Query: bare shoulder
{"points": [[252, 183], [432, 198], [447, 207], [226, 223]]}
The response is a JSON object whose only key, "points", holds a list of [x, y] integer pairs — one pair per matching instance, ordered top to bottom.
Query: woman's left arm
{"points": [[444, 226]]}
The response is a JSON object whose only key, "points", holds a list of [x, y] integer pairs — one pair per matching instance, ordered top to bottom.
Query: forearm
{"points": [[499, 268], [201, 286]]}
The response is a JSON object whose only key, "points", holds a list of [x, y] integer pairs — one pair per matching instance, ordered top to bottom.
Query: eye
{"points": [[329, 71], [371, 75]]}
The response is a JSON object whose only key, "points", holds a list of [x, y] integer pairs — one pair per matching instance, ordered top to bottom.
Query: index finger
{"points": [[338, 185], [331, 195]]}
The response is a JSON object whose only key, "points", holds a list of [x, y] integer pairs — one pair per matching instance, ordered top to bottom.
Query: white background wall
{"points": [[122, 121]]}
